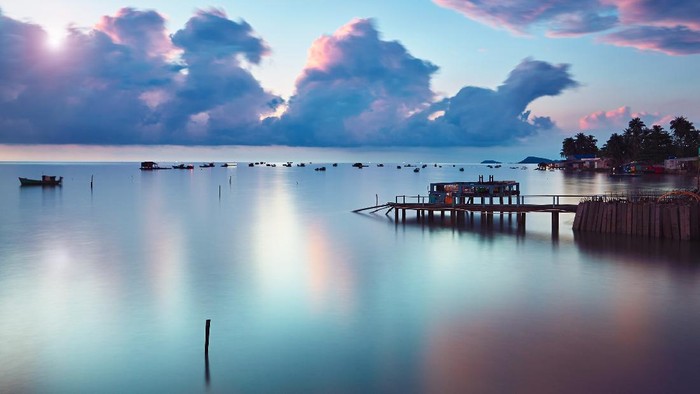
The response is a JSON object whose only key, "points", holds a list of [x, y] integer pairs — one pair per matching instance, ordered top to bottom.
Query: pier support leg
{"points": [[403, 215], [442, 215], [396, 216], [521, 222], [555, 224]]}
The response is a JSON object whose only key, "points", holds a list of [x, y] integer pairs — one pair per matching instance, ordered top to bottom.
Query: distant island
{"points": [[535, 160], [490, 162]]}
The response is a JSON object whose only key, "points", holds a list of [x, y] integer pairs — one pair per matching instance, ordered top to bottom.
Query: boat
{"points": [[152, 165], [207, 165], [229, 165], [184, 167], [46, 180]]}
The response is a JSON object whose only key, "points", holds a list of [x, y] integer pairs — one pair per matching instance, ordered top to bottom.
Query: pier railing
{"points": [[637, 195], [542, 199]]}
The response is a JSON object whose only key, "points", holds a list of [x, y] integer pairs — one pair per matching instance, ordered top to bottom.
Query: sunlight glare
{"points": [[55, 39]]}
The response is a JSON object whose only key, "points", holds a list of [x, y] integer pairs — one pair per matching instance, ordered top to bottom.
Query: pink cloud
{"points": [[669, 27], [142, 30], [617, 119]]}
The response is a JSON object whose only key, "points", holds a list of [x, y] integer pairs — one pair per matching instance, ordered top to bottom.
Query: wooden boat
{"points": [[151, 165], [207, 165], [229, 165], [184, 167], [46, 180]]}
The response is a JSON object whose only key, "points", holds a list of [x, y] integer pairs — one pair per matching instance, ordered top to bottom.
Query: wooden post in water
{"points": [[91, 177], [219, 192], [555, 223], [206, 338]]}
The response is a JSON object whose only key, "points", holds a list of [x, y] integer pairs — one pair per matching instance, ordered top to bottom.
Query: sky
{"points": [[490, 77]]}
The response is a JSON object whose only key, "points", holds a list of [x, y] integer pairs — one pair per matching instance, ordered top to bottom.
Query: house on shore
{"points": [[588, 162], [681, 165]]}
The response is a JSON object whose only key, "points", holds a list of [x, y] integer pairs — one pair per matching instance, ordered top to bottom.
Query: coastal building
{"points": [[586, 163], [681, 165], [456, 193]]}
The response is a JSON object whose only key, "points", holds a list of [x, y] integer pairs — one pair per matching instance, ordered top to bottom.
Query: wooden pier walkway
{"points": [[487, 207], [645, 216]]}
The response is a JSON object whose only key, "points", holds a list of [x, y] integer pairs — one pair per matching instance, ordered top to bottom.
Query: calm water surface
{"points": [[108, 290]]}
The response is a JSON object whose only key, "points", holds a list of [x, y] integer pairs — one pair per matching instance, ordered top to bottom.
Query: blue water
{"points": [[108, 289]]}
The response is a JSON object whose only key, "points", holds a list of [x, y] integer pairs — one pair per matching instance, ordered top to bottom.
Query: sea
{"points": [[106, 284]]}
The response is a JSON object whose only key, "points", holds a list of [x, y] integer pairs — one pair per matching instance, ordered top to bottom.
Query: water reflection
{"points": [[640, 250]]}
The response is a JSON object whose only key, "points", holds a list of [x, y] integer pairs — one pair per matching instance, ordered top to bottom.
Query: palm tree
{"points": [[633, 135], [685, 137], [657, 145], [568, 147], [615, 149]]}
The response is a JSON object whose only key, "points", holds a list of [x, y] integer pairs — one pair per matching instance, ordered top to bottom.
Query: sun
{"points": [[55, 39]]}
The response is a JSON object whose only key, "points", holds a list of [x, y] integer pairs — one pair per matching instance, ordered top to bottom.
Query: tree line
{"points": [[639, 143]]}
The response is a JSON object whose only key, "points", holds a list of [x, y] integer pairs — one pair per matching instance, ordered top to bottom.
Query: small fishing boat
{"points": [[151, 165], [207, 165], [229, 165], [184, 167], [46, 180]]}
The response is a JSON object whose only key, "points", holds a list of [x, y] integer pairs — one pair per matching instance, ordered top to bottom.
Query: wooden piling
{"points": [[684, 225], [206, 337]]}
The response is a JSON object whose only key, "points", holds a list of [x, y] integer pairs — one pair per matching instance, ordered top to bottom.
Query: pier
{"points": [[460, 213], [669, 215]]}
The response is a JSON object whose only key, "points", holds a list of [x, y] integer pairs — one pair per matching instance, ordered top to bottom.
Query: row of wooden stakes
{"points": [[670, 220]]}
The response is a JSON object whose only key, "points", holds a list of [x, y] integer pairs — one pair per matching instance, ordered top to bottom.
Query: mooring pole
{"points": [[91, 177], [219, 192], [206, 338]]}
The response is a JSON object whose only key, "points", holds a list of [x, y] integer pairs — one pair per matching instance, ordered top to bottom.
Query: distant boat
{"points": [[152, 165], [207, 165], [229, 165], [184, 167], [416, 169], [46, 180]]}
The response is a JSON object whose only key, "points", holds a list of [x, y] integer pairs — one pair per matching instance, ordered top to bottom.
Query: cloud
{"points": [[559, 17], [659, 26], [143, 31], [678, 40], [127, 81], [355, 89], [485, 117], [618, 119]]}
